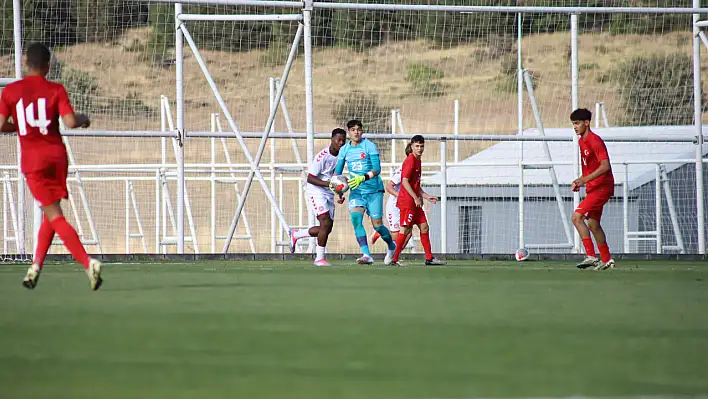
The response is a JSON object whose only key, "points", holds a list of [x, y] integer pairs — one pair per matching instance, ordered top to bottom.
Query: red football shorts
{"points": [[48, 185], [593, 203], [412, 217]]}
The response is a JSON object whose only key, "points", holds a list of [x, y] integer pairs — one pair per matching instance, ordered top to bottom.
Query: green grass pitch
{"points": [[248, 329]]}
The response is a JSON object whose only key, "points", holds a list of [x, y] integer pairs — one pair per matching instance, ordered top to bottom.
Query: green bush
{"points": [[60, 23], [64, 23], [276, 54], [509, 65], [425, 79], [509, 83], [82, 88], [656, 90], [85, 95], [130, 106], [366, 108]]}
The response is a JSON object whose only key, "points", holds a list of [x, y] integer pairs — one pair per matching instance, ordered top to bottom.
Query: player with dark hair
{"points": [[35, 105], [599, 188], [367, 191], [320, 197], [410, 203], [393, 214]]}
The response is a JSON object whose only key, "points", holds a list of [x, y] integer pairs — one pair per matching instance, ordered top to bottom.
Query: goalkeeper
{"points": [[367, 190]]}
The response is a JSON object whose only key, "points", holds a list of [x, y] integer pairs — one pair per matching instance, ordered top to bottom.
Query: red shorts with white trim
{"points": [[48, 185], [591, 207], [413, 217]]}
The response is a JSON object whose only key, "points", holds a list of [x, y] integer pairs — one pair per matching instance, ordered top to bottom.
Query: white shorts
{"points": [[321, 204], [393, 214]]}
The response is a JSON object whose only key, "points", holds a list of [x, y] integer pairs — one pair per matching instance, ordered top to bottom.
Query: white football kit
{"points": [[321, 199], [392, 211]]}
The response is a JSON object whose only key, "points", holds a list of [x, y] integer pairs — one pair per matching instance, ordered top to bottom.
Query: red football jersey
{"points": [[35, 105], [592, 151], [411, 170]]}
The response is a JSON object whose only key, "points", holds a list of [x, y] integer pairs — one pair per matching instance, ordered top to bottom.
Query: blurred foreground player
{"points": [[35, 105], [599, 188]]}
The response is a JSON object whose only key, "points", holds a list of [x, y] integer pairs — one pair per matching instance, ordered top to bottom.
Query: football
{"points": [[339, 184], [521, 254]]}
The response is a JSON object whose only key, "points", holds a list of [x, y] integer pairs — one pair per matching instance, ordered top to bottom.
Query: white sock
{"points": [[302, 233], [320, 251]]}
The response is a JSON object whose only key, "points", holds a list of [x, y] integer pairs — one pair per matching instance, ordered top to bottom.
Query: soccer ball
{"points": [[340, 184], [521, 254]]}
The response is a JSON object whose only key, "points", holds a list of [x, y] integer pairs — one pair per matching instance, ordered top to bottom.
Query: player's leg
{"points": [[48, 187], [49, 194], [320, 206], [357, 207], [375, 210], [393, 216], [357, 218], [578, 219], [593, 219], [422, 221], [406, 223], [323, 232], [45, 236], [386, 236], [403, 236], [409, 236], [44, 240], [73, 243], [606, 261]]}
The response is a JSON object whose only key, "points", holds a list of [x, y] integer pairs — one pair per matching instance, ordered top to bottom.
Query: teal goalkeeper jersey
{"points": [[360, 159]]}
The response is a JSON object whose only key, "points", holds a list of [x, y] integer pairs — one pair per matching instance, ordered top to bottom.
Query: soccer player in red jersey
{"points": [[35, 105], [599, 188], [410, 203]]}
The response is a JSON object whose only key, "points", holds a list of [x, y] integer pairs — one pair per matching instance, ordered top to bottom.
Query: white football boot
{"points": [[365, 260], [589, 261], [610, 264], [94, 274], [32, 277]]}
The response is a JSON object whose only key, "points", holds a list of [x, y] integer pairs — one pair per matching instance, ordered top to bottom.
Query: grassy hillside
{"points": [[128, 83]]}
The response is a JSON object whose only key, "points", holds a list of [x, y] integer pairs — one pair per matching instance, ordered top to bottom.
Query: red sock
{"points": [[375, 237], [408, 239], [44, 240], [71, 240], [425, 240], [400, 243], [589, 246], [604, 252]]}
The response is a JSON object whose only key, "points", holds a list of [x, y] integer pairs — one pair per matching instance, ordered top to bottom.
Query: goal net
{"points": [[399, 71]]}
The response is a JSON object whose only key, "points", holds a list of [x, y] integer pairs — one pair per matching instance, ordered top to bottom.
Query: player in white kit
{"points": [[320, 197], [392, 212]]}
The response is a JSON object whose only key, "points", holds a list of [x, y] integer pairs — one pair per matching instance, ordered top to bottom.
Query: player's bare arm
{"points": [[73, 121], [6, 126], [582, 180], [316, 181], [407, 186], [391, 189], [428, 197]]}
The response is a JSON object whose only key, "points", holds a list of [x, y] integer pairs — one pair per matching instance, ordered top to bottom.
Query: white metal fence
{"points": [[184, 198]]}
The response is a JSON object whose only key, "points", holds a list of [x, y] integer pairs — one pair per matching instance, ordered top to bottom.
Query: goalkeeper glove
{"points": [[355, 181], [331, 187]]}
